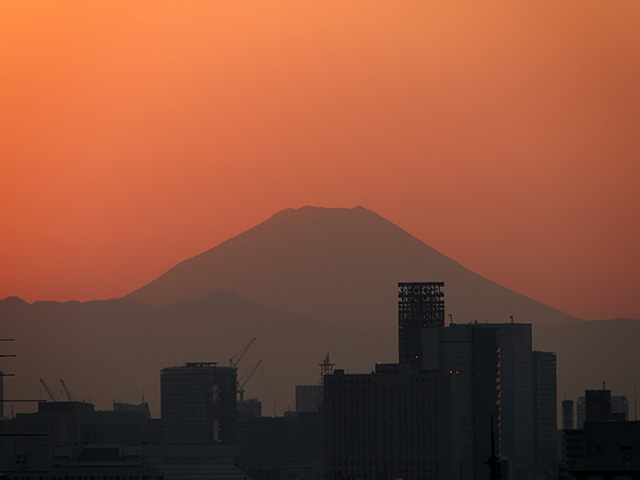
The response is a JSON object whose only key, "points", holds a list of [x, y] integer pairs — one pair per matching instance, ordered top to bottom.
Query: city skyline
{"points": [[503, 135]]}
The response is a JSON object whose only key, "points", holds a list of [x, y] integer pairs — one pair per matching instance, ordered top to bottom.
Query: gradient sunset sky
{"points": [[505, 134]]}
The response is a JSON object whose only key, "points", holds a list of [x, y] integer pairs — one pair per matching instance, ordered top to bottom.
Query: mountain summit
{"points": [[341, 266]]}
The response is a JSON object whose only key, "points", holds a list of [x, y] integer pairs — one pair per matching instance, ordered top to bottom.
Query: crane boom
{"points": [[235, 360], [242, 381], [66, 390], [49, 391]]}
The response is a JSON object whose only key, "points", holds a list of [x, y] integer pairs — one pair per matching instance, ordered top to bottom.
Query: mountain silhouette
{"points": [[340, 266], [305, 282]]}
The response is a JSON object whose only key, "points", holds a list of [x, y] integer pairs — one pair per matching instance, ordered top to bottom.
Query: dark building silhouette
{"points": [[420, 305], [472, 355], [495, 361], [496, 376], [516, 397], [308, 398], [198, 404], [597, 405], [602, 406], [619, 407], [250, 408], [545, 419], [568, 422], [395, 423], [69, 424], [65, 438], [288, 447], [606, 447], [611, 449], [572, 451], [493, 461], [121, 462]]}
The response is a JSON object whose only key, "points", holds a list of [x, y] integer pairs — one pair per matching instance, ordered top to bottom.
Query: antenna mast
{"points": [[326, 368]]}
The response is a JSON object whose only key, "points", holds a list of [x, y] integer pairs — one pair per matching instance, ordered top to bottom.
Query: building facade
{"points": [[420, 305], [472, 355], [308, 398], [198, 404], [603, 406], [545, 418], [394, 423]]}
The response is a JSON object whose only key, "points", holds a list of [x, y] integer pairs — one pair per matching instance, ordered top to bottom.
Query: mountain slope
{"points": [[341, 266]]}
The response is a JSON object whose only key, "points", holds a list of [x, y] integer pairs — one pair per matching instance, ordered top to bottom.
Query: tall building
{"points": [[420, 305], [475, 348], [472, 354], [495, 377], [516, 395], [308, 398], [198, 404], [597, 405], [600, 406], [620, 407], [567, 415], [395, 423], [545, 430]]}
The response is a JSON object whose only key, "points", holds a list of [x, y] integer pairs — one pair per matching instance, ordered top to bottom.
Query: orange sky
{"points": [[505, 134]]}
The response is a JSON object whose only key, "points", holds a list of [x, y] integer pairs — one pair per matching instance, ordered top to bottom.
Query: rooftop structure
{"points": [[420, 305]]}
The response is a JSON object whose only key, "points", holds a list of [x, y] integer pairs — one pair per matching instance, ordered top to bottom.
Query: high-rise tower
{"points": [[420, 305], [198, 403], [567, 415], [545, 433]]}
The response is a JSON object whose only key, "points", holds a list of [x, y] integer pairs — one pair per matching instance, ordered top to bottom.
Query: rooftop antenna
{"points": [[450, 319], [326, 368], [493, 461]]}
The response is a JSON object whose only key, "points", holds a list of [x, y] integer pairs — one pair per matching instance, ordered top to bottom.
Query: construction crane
{"points": [[235, 360], [242, 381], [66, 390], [49, 391]]}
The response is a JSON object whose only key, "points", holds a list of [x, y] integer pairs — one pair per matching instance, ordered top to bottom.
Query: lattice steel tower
{"points": [[420, 305]]}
